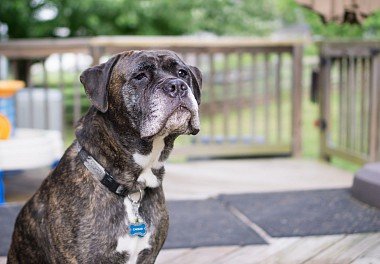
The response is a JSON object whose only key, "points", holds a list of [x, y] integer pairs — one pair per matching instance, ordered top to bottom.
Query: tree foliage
{"points": [[145, 17], [42, 18]]}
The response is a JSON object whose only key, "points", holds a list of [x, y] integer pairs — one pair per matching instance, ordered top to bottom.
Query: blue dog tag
{"points": [[137, 229]]}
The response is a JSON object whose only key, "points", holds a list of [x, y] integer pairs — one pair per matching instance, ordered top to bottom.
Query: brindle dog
{"points": [[141, 102]]}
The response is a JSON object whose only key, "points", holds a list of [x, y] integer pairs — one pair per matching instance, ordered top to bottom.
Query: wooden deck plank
{"points": [[361, 248], [304, 249], [347, 249], [374, 251], [255, 254], [167, 255], [204, 255], [372, 255], [367, 260]]}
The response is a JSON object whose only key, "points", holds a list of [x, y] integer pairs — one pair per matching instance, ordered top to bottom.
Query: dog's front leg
{"points": [[147, 256]]}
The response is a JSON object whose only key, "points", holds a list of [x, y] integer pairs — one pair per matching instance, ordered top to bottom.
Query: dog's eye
{"points": [[182, 73], [140, 76]]}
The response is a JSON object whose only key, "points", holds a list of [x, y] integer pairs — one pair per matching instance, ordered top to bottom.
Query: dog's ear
{"points": [[196, 77], [95, 81]]}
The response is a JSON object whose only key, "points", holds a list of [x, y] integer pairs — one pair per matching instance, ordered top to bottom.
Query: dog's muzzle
{"points": [[173, 109]]}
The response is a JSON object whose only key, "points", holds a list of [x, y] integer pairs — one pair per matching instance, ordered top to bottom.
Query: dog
{"points": [[104, 202]]}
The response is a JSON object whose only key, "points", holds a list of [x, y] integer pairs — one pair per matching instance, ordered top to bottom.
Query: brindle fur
{"points": [[73, 218]]}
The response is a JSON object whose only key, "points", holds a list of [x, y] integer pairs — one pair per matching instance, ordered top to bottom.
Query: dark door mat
{"points": [[304, 213], [8, 214], [206, 223], [192, 224]]}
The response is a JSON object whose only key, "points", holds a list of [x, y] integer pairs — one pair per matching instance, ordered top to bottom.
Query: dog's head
{"points": [[154, 91]]}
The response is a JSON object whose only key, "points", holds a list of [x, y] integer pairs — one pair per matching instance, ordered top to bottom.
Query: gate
{"points": [[349, 98]]}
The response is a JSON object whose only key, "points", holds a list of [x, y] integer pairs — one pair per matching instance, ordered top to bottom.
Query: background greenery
{"points": [[41, 18]]}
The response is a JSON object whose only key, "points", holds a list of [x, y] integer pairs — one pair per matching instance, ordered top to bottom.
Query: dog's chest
{"points": [[149, 162], [133, 245]]}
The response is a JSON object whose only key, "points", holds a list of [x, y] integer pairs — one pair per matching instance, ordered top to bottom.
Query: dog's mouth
{"points": [[182, 120]]}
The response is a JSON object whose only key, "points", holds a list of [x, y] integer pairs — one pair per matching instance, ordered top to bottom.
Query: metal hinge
{"points": [[321, 123]]}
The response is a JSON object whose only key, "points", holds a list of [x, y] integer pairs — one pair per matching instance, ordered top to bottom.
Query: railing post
{"points": [[96, 53], [297, 100], [324, 104], [374, 110]]}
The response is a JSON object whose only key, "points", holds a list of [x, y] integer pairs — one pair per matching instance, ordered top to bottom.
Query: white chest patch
{"points": [[149, 162], [132, 245]]}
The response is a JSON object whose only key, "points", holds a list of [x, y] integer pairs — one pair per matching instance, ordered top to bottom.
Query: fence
{"points": [[349, 96], [251, 97]]}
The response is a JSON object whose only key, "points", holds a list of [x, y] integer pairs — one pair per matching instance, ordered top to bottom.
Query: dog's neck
{"points": [[132, 161]]}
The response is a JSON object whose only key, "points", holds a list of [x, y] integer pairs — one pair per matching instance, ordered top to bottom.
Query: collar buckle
{"points": [[113, 185], [122, 191]]}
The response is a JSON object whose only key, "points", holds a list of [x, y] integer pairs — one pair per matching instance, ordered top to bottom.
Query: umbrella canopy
{"points": [[351, 11]]}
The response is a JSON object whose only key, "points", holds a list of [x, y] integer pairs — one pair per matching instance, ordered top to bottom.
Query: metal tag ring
{"points": [[139, 200]]}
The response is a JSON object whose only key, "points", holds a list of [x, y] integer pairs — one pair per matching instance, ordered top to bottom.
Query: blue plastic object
{"points": [[7, 108]]}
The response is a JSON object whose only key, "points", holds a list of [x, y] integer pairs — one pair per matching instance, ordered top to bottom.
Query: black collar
{"points": [[98, 170]]}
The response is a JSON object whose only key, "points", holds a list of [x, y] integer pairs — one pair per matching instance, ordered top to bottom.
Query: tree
{"points": [[41, 18]]}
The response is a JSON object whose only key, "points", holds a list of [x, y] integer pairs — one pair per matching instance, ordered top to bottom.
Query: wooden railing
{"points": [[349, 96], [251, 98]]}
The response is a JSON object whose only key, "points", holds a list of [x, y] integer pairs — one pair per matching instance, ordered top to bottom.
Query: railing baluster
{"points": [[297, 56], [198, 63], [352, 85], [29, 86], [61, 86], [77, 94], [254, 94], [46, 95], [212, 96], [340, 96], [226, 97], [266, 97], [278, 97], [366, 98], [239, 100], [359, 100], [368, 104], [348, 106], [374, 115]]}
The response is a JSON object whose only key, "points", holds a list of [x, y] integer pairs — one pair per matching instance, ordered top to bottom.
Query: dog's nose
{"points": [[176, 88]]}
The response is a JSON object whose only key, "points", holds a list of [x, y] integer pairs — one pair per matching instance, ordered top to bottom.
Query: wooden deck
{"points": [[202, 179], [198, 180], [358, 248], [342, 249]]}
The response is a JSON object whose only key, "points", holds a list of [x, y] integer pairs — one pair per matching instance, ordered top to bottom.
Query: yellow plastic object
{"points": [[9, 88], [5, 127]]}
